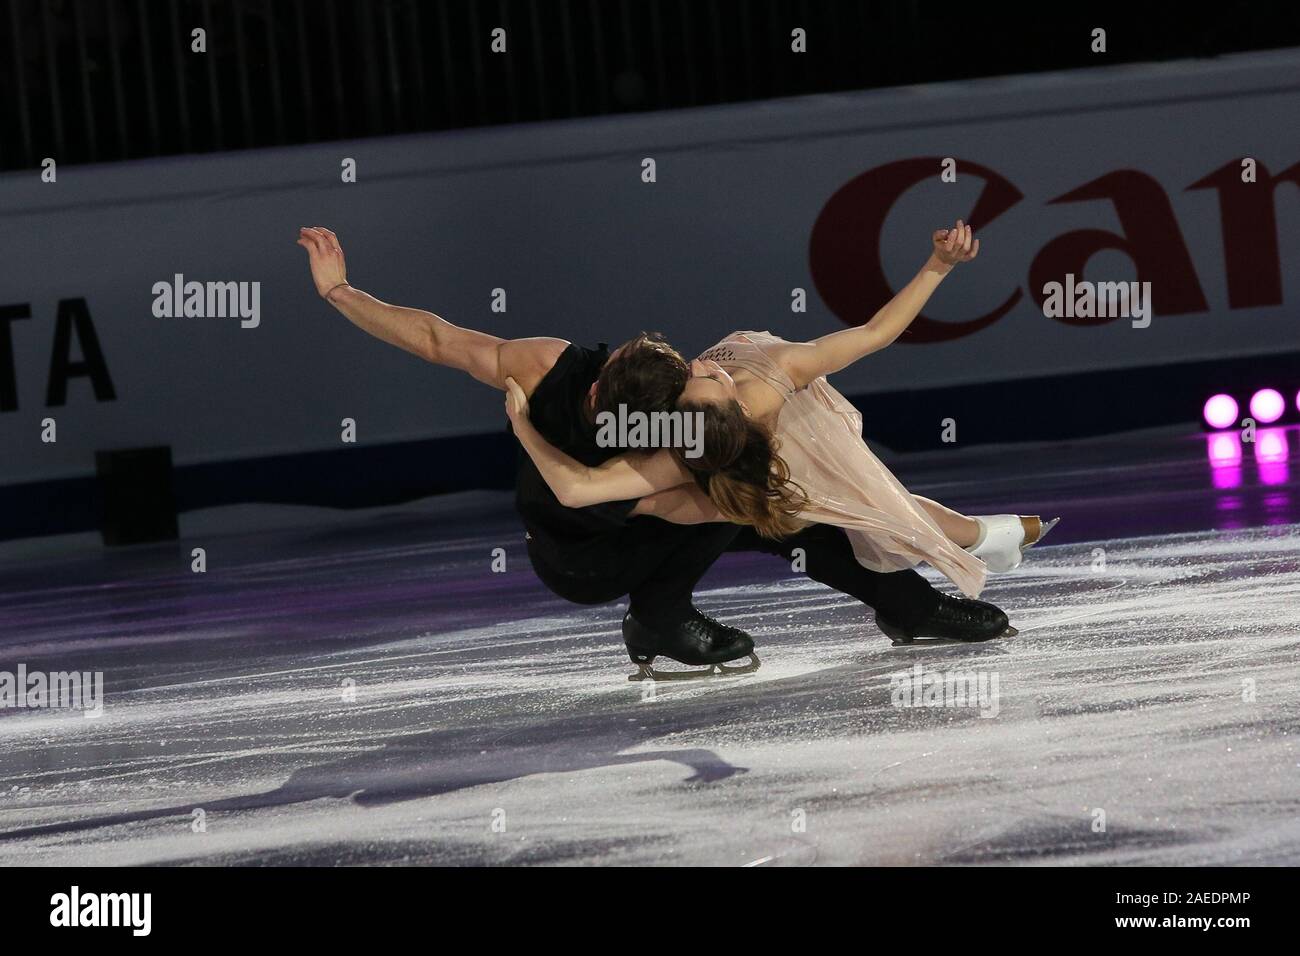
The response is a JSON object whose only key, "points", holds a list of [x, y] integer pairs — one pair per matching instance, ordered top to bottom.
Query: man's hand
{"points": [[952, 246], [325, 255]]}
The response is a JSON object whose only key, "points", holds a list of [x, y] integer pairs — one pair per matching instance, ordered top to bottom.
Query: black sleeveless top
{"points": [[569, 540]]}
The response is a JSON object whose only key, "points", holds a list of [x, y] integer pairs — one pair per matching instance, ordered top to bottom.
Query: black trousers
{"points": [[661, 563], [657, 565], [903, 596]]}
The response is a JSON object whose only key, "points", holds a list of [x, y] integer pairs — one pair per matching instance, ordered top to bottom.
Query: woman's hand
{"points": [[952, 246], [325, 255], [516, 401]]}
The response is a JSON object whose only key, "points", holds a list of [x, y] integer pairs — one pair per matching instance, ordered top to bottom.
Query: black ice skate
{"points": [[955, 619], [696, 640]]}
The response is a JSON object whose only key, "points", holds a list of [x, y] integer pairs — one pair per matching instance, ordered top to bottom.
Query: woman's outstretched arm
{"points": [[805, 361], [576, 485]]}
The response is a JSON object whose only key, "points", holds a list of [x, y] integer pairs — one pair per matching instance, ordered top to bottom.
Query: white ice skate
{"points": [[1004, 539]]}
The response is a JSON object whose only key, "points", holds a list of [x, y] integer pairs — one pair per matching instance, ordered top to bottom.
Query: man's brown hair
{"points": [[648, 375]]}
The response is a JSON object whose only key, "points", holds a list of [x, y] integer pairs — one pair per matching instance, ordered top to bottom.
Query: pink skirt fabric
{"points": [[848, 486]]}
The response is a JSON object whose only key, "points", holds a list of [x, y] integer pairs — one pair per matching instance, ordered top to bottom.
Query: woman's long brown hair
{"points": [[741, 472]]}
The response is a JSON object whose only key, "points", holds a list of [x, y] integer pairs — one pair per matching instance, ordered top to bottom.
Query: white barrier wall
{"points": [[833, 194]]}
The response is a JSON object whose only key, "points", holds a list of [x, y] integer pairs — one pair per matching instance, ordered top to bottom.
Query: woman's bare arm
{"points": [[805, 361], [575, 485], [686, 504]]}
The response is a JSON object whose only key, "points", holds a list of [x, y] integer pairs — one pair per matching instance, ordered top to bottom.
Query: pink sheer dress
{"points": [[847, 486]]}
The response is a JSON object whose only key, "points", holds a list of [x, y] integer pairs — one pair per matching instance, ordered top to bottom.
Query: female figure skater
{"points": [[758, 393]]}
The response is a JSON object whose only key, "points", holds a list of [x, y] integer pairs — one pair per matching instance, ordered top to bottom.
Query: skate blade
{"points": [[1046, 530], [950, 641], [648, 672]]}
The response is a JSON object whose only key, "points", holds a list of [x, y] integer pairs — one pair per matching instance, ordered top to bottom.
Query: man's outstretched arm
{"points": [[488, 358]]}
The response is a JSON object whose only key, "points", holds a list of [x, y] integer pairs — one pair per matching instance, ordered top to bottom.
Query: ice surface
{"points": [[494, 724]]}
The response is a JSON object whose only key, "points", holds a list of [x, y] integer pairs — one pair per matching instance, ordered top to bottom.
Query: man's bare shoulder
{"points": [[528, 360]]}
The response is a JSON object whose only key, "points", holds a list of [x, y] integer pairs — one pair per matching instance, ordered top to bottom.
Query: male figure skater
{"points": [[598, 554]]}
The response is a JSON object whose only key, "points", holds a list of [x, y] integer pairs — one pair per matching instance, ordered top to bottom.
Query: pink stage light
{"points": [[1267, 405], [1221, 411], [1270, 445], [1225, 450], [1271, 456], [1225, 462]]}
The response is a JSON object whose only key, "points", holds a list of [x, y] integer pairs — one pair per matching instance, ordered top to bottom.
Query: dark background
{"points": [[104, 80]]}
